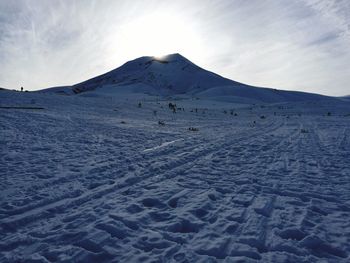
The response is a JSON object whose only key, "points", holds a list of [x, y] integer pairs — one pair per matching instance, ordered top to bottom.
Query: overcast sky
{"points": [[294, 45]]}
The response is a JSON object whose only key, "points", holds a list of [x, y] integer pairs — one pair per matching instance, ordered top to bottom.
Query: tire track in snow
{"points": [[13, 223]]}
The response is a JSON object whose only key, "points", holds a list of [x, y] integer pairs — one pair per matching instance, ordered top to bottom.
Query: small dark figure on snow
{"points": [[172, 107]]}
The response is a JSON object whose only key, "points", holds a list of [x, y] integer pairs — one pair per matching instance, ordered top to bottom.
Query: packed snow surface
{"points": [[119, 177]]}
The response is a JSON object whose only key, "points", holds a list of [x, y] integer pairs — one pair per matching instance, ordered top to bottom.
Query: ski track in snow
{"points": [[161, 146], [79, 185]]}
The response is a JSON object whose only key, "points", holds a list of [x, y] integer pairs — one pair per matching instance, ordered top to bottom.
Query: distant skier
{"points": [[21, 89]]}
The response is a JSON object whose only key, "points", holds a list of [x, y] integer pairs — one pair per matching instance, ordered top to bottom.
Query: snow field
{"points": [[96, 179]]}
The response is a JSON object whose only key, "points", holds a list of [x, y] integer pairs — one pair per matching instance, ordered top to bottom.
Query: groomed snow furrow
{"points": [[79, 186], [29, 215]]}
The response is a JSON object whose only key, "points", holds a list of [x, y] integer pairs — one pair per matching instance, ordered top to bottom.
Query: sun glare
{"points": [[159, 34]]}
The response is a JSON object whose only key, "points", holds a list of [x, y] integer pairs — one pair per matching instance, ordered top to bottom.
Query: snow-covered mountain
{"points": [[172, 74], [175, 75], [114, 175]]}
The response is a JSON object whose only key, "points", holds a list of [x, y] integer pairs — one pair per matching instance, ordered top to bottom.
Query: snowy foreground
{"points": [[94, 178]]}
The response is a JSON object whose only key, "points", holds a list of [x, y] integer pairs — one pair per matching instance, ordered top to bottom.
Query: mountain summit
{"points": [[175, 75]]}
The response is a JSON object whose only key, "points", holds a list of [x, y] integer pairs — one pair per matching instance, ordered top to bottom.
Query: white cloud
{"points": [[299, 45]]}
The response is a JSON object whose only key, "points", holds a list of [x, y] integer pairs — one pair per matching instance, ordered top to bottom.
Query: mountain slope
{"points": [[175, 75], [346, 97]]}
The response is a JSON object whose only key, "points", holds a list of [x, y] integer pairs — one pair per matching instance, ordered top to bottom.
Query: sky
{"points": [[292, 45]]}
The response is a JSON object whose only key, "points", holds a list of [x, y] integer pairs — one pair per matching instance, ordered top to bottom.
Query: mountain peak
{"points": [[175, 57], [169, 74]]}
